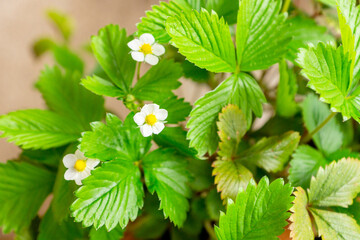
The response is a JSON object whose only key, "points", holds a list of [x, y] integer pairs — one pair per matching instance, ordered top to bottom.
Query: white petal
{"points": [[147, 38], [134, 44], [158, 49], [138, 56], [151, 59], [149, 109], [161, 114], [139, 118], [158, 127], [146, 130], [79, 155], [69, 160], [92, 163], [70, 174], [84, 174], [78, 181]]}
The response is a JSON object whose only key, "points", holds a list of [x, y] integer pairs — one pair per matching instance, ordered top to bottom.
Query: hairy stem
{"points": [[286, 6], [309, 136]]}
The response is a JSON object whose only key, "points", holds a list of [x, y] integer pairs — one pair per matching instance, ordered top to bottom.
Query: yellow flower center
{"points": [[146, 48], [150, 119], [80, 165]]}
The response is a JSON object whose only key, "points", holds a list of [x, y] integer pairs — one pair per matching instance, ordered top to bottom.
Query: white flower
{"points": [[145, 49], [151, 119], [79, 166]]}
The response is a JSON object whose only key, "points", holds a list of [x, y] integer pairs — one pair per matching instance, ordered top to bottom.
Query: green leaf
{"points": [[224, 8], [349, 17], [62, 22], [154, 22], [304, 30], [261, 36], [203, 39], [42, 45], [111, 51], [67, 59], [191, 71], [329, 72], [158, 82], [102, 87], [286, 92], [64, 95], [178, 109], [232, 127], [39, 129], [175, 137], [330, 137], [114, 140], [272, 153], [50, 157], [305, 164], [200, 172], [166, 174], [230, 177], [336, 185], [23, 189], [111, 195], [214, 205], [252, 216], [332, 225], [301, 226], [102, 234]]}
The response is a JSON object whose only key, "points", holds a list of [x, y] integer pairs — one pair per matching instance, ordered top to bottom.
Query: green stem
{"points": [[286, 6], [138, 71], [309, 136], [210, 229]]}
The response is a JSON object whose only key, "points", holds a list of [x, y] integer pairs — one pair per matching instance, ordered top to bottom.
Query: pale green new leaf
{"points": [[155, 20], [261, 36], [203, 39], [111, 51], [102, 87], [286, 91], [64, 95], [232, 127], [39, 129], [330, 137], [114, 140], [272, 153], [305, 163], [166, 174], [230, 176], [336, 185], [23, 189], [111, 195], [253, 214], [332, 225], [301, 226], [102, 234]]}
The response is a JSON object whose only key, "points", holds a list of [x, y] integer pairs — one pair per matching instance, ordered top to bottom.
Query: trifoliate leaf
{"points": [[224, 8], [349, 17], [62, 22], [154, 22], [305, 30], [261, 36], [203, 39], [111, 51], [67, 59], [329, 72], [158, 82], [102, 87], [287, 88], [240, 89], [64, 95], [178, 109], [232, 127], [39, 129], [175, 137], [330, 137], [115, 139], [272, 153], [305, 164], [166, 174], [230, 176], [336, 185], [23, 189], [111, 195], [252, 216], [332, 225], [301, 226], [102, 234]]}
